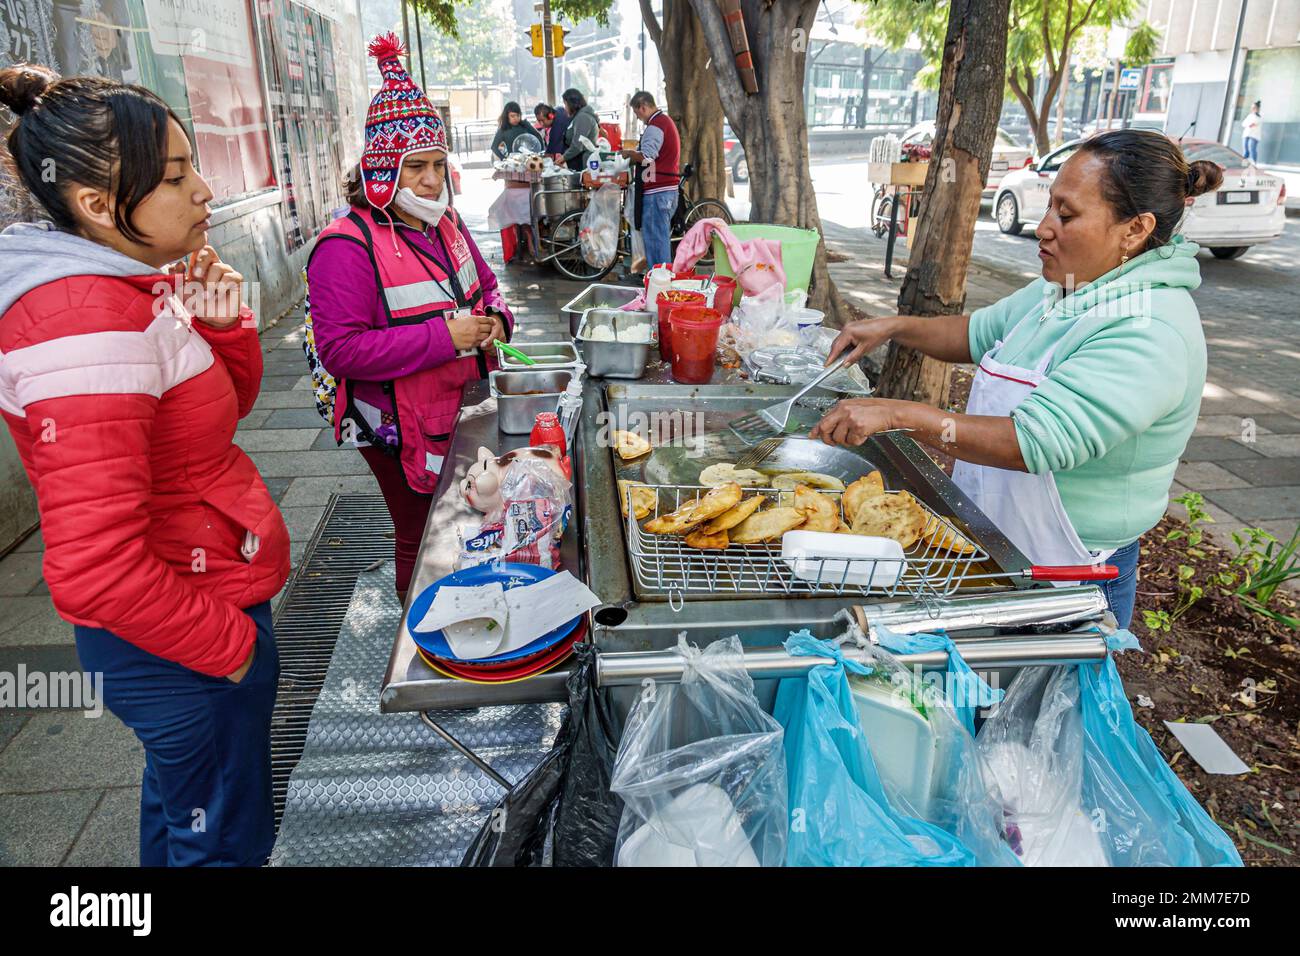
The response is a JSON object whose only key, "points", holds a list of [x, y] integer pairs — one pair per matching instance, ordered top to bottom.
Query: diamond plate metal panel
{"points": [[376, 789]]}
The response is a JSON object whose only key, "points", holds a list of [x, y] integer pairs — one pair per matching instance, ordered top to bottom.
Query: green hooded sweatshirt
{"points": [[1123, 388]]}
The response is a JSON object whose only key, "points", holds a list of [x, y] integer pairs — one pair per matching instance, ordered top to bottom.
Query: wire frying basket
{"points": [[665, 563]]}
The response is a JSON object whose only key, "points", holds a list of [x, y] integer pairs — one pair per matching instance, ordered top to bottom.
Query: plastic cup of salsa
{"points": [[666, 303], [694, 344]]}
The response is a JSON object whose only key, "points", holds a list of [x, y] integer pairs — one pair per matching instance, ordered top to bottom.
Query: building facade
{"points": [[1225, 55], [273, 95]]}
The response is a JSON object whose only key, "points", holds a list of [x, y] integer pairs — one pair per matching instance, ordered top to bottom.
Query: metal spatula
{"points": [[771, 421]]}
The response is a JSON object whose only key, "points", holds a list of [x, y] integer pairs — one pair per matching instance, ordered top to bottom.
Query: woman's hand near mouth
{"points": [[213, 289]]}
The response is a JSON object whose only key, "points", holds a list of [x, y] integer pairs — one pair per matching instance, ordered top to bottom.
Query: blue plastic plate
{"points": [[510, 575]]}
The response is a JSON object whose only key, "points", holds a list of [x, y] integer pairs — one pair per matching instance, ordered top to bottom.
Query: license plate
{"points": [[1000, 164], [1238, 197]]}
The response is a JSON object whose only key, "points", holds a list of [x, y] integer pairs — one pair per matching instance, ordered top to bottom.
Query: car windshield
{"points": [[1058, 158]]}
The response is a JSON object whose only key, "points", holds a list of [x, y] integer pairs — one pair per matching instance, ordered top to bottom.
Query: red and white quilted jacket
{"points": [[157, 526]]}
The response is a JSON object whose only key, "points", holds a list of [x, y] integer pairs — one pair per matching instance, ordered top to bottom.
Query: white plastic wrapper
{"points": [[701, 769]]}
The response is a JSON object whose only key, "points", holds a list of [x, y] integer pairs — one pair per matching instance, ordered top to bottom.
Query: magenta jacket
{"points": [[353, 337]]}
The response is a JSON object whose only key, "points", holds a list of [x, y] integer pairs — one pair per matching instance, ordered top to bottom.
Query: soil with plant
{"points": [[1214, 655]]}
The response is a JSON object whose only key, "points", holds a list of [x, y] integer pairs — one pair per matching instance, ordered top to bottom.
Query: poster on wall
{"points": [[215, 43], [299, 67]]}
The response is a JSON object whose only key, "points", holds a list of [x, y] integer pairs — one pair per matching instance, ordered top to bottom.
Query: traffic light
{"points": [[536, 40], [557, 40]]}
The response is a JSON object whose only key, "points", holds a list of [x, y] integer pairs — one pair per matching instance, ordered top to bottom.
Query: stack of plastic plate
{"points": [[534, 658]]}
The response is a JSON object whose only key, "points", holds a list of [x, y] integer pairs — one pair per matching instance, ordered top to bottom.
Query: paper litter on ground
{"points": [[1204, 745]]}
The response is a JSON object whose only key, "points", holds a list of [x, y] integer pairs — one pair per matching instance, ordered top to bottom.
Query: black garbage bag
{"points": [[567, 795]]}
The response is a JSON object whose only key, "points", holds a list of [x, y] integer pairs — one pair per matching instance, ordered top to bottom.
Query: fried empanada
{"points": [[630, 445], [724, 472], [868, 486], [643, 498], [697, 510], [821, 512], [734, 516], [896, 516], [766, 525], [700, 538]]}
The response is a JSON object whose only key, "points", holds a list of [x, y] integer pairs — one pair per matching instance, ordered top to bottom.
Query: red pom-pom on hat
{"points": [[386, 45]]}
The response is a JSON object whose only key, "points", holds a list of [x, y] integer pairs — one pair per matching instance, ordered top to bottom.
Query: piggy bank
{"points": [[481, 486]]}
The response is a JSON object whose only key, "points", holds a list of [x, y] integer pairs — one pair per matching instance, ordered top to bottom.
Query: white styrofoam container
{"points": [[869, 561], [902, 742]]}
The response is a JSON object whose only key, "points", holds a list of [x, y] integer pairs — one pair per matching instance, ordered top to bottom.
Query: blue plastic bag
{"points": [[966, 691], [1083, 784], [840, 814]]}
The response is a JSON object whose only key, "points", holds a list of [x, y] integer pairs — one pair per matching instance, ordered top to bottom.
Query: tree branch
{"points": [[652, 26], [725, 71]]}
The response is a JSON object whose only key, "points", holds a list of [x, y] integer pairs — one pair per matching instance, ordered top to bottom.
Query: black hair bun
{"points": [[22, 85], [1203, 176]]}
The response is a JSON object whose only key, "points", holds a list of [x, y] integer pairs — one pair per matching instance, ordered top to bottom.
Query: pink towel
{"points": [[756, 263]]}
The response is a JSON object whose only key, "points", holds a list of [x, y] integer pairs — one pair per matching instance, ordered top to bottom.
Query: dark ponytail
{"points": [[89, 131], [1146, 171]]}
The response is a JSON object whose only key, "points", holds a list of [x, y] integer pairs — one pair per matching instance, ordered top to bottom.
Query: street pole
{"points": [[545, 8], [406, 37], [419, 45], [1225, 120]]}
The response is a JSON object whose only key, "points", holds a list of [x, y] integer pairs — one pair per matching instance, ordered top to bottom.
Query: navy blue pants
{"points": [[1121, 593], [206, 794]]}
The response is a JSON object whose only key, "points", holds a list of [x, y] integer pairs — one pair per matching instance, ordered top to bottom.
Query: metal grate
{"points": [[354, 532]]}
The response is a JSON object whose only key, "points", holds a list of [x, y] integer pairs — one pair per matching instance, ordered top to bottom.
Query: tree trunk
{"points": [[692, 95], [970, 99], [771, 124]]}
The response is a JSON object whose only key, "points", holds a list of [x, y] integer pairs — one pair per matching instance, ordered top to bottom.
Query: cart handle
{"points": [[1074, 572]]}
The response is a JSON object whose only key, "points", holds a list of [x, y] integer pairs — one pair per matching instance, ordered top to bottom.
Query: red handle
{"points": [[1074, 572]]}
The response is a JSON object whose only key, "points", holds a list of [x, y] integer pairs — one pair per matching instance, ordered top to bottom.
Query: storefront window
{"points": [[1271, 76]]}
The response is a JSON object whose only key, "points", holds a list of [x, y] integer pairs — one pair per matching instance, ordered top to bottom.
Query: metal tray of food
{"points": [[598, 295], [617, 342], [521, 395]]}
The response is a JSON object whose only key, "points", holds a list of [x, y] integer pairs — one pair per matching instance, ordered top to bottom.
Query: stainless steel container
{"points": [[562, 194], [598, 295], [548, 355], [617, 359], [521, 395]]}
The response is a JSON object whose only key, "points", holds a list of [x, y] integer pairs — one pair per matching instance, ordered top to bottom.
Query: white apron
{"points": [[1025, 507]]}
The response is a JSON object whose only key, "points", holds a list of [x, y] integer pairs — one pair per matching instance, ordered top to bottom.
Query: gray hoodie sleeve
{"points": [[584, 124]]}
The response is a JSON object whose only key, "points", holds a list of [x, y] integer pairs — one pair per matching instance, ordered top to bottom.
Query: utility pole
{"points": [[544, 8], [406, 37], [1225, 120]]}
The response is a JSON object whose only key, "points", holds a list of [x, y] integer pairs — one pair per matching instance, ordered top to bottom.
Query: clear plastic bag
{"points": [[598, 233], [536, 504], [701, 769], [1083, 784], [848, 810]]}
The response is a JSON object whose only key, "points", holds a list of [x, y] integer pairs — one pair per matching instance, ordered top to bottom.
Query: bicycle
{"points": [[565, 237]]}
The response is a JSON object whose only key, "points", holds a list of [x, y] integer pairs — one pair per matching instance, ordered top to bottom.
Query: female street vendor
{"points": [[402, 305], [1089, 378]]}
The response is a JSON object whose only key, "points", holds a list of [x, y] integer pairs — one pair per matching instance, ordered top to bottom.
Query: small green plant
{"points": [[1194, 502], [1261, 566], [1157, 620]]}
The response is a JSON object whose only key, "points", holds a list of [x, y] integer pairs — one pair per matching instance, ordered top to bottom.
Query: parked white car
{"points": [[1007, 153], [1247, 210]]}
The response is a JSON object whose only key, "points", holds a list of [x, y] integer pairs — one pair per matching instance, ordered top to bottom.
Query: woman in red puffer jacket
{"points": [[121, 380]]}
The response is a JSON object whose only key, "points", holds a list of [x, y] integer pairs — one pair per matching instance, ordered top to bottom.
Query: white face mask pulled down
{"points": [[426, 210]]}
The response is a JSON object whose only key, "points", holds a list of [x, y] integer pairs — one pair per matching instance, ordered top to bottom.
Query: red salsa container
{"points": [[665, 303], [695, 345]]}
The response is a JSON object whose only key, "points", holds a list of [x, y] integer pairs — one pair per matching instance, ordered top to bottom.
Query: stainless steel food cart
{"points": [[1000, 623]]}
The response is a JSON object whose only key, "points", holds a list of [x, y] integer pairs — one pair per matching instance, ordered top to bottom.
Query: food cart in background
{"points": [[896, 202]]}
